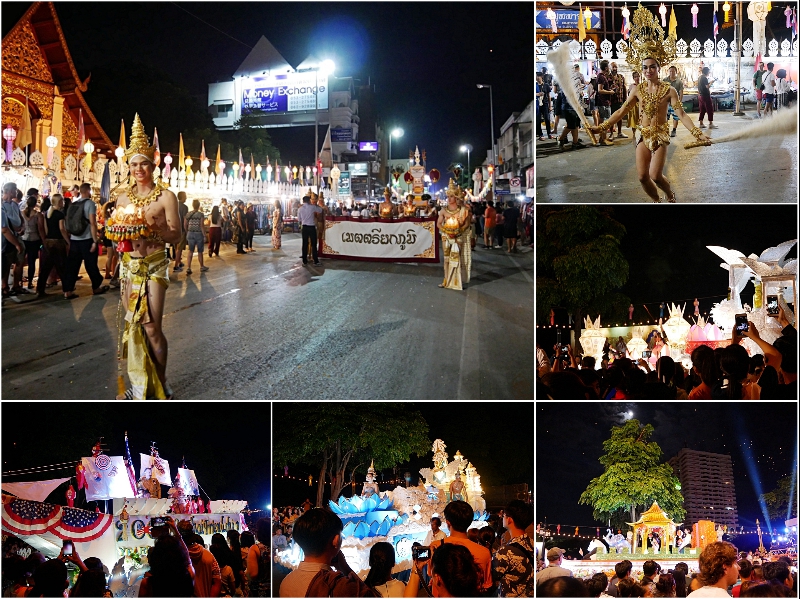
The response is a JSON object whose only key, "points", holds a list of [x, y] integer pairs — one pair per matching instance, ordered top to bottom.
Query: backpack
{"points": [[76, 221]]}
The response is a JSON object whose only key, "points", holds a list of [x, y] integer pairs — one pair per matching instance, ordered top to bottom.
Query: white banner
{"points": [[402, 240], [158, 467], [106, 477], [188, 481], [35, 490]]}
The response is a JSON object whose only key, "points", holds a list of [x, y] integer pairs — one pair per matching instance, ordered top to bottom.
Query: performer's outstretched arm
{"points": [[621, 112], [685, 118]]}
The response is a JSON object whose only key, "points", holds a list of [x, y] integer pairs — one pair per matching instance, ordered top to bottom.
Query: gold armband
{"points": [[676, 105], [603, 126], [696, 132]]}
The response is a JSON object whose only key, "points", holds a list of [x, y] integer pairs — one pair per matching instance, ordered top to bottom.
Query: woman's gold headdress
{"points": [[648, 40], [139, 144], [454, 190]]}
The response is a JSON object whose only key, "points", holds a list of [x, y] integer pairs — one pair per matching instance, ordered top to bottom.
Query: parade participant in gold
{"points": [[650, 50], [386, 209], [409, 209], [145, 219], [454, 223]]}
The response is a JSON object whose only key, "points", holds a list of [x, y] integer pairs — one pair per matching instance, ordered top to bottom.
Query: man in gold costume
{"points": [[651, 50], [386, 209], [455, 224], [144, 269]]}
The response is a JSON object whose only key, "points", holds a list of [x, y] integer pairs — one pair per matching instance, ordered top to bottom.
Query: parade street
{"points": [[748, 170], [262, 326]]}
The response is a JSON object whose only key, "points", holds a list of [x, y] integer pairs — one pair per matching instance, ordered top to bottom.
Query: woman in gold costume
{"points": [[650, 50], [386, 209], [146, 217], [455, 222]]}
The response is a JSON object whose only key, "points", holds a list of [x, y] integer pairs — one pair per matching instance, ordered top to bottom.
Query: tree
{"points": [[250, 137], [579, 263], [331, 436], [634, 478], [780, 498]]}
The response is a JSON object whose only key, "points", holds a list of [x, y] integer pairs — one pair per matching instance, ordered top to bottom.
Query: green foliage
{"points": [[251, 138], [579, 262], [331, 436], [633, 478], [778, 499]]}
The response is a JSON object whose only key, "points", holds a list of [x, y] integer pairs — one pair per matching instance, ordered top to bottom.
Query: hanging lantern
{"points": [[769, 6], [726, 8], [662, 10], [695, 10], [625, 12], [587, 14], [551, 16], [9, 134], [51, 142], [188, 162], [258, 171], [269, 172], [294, 172]]}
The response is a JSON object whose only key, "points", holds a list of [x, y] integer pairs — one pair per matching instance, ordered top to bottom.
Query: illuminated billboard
{"points": [[291, 92], [368, 146]]}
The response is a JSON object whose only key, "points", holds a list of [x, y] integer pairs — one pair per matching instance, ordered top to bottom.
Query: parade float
{"points": [[774, 280], [401, 516], [121, 538]]}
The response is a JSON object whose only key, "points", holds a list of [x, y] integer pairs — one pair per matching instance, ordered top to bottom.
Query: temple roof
{"points": [[54, 53], [263, 59], [654, 516]]}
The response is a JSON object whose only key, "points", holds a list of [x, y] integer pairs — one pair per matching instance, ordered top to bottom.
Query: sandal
{"points": [[100, 290], [71, 297]]}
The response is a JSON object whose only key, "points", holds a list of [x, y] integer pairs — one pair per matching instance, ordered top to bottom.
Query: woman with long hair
{"points": [[277, 225], [214, 232], [33, 242], [56, 243], [734, 364], [381, 562], [231, 576]]}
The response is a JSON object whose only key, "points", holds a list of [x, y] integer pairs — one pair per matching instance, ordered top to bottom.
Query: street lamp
{"points": [[327, 67], [491, 117], [398, 132], [467, 148]]}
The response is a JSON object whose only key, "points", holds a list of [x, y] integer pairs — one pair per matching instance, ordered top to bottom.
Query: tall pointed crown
{"points": [[648, 40], [140, 143], [454, 190]]}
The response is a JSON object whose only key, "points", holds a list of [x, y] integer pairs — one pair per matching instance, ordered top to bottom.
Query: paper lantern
{"points": [[695, 10], [676, 327], [592, 339], [635, 347]]}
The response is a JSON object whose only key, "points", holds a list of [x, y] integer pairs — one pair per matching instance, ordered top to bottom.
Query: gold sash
{"points": [[141, 366]]}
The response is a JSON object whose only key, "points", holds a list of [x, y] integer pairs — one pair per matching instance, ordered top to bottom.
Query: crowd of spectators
{"points": [[724, 373], [723, 572]]}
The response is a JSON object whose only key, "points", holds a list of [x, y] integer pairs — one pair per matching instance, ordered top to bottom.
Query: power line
{"points": [[212, 26]]}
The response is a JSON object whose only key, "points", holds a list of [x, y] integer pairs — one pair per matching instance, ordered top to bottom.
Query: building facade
{"points": [[707, 486]]}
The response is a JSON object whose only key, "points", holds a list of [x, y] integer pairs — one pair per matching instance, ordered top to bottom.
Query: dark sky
{"points": [[424, 58], [666, 247], [498, 440], [569, 443], [226, 444]]}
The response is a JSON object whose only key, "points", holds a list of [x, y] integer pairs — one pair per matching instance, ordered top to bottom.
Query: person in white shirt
{"points": [[768, 81], [365, 212], [435, 533], [719, 569]]}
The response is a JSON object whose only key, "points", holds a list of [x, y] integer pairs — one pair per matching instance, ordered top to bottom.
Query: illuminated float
{"points": [[402, 516]]}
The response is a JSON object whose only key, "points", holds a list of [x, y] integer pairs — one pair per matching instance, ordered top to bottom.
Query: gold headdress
{"points": [[648, 40], [140, 144], [455, 190]]}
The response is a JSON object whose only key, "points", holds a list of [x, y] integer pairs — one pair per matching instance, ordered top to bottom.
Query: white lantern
{"points": [[676, 327], [592, 339]]}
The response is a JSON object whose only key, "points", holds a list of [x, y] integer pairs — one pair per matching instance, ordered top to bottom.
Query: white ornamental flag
{"points": [[158, 467], [106, 477], [188, 481]]}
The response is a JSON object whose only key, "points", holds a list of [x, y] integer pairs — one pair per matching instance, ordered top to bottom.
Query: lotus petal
{"points": [[370, 503], [335, 508], [373, 529], [383, 529], [348, 530], [362, 530]]}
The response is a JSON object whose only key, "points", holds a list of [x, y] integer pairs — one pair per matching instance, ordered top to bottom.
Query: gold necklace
{"points": [[650, 99], [143, 201]]}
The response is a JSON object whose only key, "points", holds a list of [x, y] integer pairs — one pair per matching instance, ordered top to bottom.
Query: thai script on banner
{"points": [[402, 240]]}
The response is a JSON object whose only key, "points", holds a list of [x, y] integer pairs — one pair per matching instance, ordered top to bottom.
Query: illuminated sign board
{"points": [[565, 19], [291, 92], [368, 146], [357, 169]]}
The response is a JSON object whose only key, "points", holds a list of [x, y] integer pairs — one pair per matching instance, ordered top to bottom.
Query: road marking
{"points": [[524, 272], [66, 364]]}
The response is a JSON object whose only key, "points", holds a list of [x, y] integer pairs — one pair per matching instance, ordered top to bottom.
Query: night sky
{"points": [[424, 58], [665, 246], [496, 438], [569, 443], [226, 444]]}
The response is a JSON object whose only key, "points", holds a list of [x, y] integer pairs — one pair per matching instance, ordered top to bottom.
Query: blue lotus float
{"points": [[366, 517]]}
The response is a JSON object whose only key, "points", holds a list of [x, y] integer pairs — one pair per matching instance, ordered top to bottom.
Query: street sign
{"points": [[515, 185]]}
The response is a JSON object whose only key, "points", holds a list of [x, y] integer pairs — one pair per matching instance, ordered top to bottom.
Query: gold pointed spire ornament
{"points": [[649, 40], [140, 143], [455, 190]]}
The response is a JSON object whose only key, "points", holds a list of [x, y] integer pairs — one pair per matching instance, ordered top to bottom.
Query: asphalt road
{"points": [[749, 170], [262, 326]]}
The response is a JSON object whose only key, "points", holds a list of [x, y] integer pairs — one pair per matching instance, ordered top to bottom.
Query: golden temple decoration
{"points": [[648, 40], [21, 54]]}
